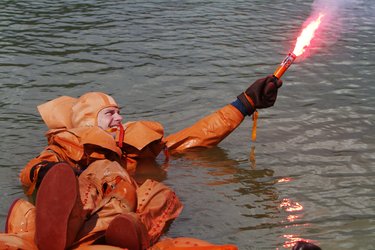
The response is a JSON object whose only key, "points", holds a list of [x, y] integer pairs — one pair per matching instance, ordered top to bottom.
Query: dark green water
{"points": [[175, 61]]}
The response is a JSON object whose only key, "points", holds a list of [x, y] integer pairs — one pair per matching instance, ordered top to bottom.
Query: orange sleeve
{"points": [[208, 131], [29, 182]]}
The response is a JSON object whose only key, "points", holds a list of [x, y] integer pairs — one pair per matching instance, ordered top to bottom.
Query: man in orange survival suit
{"points": [[81, 136]]}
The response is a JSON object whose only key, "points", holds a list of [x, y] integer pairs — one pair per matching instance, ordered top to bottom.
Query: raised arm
{"points": [[213, 128]]}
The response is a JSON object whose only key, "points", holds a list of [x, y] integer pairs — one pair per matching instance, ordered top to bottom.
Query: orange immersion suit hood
{"points": [[87, 107], [57, 112], [68, 112]]}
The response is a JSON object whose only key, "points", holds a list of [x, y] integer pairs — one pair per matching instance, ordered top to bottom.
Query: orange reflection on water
{"points": [[286, 179], [290, 206], [292, 218]]}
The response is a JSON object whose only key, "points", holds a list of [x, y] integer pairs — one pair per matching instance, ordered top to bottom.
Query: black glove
{"points": [[261, 94]]}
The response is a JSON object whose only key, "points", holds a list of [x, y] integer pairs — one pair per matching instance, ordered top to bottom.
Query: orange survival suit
{"points": [[74, 138]]}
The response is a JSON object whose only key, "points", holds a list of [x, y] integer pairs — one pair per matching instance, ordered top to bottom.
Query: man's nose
{"points": [[118, 117]]}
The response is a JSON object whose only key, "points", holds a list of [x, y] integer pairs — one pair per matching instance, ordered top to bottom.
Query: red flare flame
{"points": [[306, 35]]}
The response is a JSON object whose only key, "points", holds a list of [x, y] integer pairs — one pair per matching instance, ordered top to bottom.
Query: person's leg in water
{"points": [[111, 198]]}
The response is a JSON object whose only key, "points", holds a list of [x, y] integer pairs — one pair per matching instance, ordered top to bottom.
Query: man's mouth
{"points": [[115, 125]]}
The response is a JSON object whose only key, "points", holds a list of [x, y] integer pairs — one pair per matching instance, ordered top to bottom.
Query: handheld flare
{"points": [[303, 41], [284, 65]]}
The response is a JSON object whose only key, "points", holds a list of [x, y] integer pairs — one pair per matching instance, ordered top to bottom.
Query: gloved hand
{"points": [[261, 94]]}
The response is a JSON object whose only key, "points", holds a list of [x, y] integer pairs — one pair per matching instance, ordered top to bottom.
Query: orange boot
{"points": [[157, 207], [59, 212], [21, 218], [19, 227], [127, 231]]}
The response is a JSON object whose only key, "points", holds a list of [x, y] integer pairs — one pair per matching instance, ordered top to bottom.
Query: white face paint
{"points": [[109, 118]]}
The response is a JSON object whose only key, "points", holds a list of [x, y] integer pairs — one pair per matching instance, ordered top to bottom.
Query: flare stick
{"points": [[303, 41], [284, 65]]}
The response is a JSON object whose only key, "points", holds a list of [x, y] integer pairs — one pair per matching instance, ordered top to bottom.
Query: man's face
{"points": [[109, 118]]}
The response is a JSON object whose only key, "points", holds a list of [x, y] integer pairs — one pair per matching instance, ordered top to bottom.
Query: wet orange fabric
{"points": [[57, 112], [208, 131], [139, 134], [144, 139], [73, 146], [106, 179], [106, 190], [111, 192], [157, 205], [21, 218], [19, 227], [17, 241], [181, 243], [184, 243], [97, 247]]}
